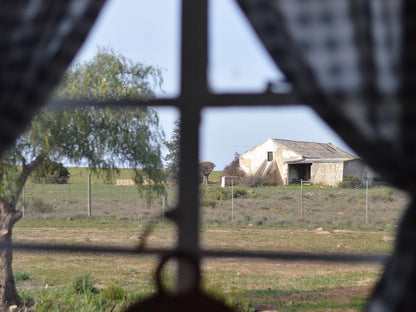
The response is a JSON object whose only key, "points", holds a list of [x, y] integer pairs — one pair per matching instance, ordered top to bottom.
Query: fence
{"points": [[88, 197], [353, 204]]}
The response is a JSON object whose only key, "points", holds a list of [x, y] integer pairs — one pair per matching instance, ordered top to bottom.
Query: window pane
{"points": [[145, 32], [237, 59]]}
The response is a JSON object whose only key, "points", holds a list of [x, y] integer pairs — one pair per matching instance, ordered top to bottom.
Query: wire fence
{"points": [[47, 198], [355, 203], [352, 204]]}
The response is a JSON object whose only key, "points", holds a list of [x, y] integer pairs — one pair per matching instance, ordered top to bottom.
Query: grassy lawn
{"points": [[264, 219]]}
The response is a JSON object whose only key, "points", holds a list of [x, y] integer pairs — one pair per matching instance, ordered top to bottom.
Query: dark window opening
{"points": [[269, 156], [298, 172]]}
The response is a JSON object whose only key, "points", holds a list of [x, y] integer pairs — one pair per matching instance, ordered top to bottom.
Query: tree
{"points": [[104, 138], [174, 149], [206, 168], [233, 169], [50, 171]]}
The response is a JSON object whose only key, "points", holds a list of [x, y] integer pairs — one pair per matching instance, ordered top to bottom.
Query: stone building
{"points": [[286, 162]]}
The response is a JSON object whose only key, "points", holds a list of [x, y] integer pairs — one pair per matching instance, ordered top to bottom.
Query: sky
{"points": [[149, 32]]}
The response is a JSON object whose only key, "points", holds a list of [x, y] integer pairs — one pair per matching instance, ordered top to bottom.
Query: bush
{"points": [[233, 169], [50, 172], [254, 181], [352, 182], [221, 193], [210, 203], [39, 206], [21, 276], [83, 285], [113, 292]]}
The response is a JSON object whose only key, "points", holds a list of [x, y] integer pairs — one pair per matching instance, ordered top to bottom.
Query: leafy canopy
{"points": [[107, 138], [174, 149], [233, 169], [49, 172]]}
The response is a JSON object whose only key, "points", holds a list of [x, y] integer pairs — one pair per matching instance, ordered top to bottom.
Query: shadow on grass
{"points": [[337, 299]]}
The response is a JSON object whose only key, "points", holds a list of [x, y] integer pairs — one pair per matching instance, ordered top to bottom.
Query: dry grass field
{"points": [[256, 219], [286, 286]]}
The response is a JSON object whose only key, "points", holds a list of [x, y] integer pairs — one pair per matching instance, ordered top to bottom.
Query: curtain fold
{"points": [[38, 40], [342, 58], [354, 62]]}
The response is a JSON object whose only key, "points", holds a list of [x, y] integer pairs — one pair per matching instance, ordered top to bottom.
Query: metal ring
{"points": [[179, 255]]}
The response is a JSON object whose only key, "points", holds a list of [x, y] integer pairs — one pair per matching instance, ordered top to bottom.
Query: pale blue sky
{"points": [[148, 31]]}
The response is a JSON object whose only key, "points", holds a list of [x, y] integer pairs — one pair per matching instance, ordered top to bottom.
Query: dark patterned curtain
{"points": [[38, 40], [353, 62]]}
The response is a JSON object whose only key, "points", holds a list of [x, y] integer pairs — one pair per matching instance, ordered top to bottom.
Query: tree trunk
{"points": [[8, 293]]}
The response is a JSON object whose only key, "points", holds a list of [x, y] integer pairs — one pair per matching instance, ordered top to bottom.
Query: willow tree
{"points": [[105, 138], [174, 148]]}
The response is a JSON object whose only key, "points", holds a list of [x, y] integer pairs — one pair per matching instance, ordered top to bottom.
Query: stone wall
{"points": [[330, 173]]}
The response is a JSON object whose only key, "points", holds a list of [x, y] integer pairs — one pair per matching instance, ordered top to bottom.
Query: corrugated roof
{"points": [[313, 150]]}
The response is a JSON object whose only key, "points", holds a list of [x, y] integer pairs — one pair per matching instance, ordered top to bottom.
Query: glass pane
{"points": [[144, 31], [237, 60], [227, 131], [306, 200], [69, 204]]}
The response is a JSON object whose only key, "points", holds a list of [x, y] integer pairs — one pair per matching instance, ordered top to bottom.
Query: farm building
{"points": [[286, 162]]}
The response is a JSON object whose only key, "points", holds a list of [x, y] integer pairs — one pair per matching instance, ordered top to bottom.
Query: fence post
{"points": [[89, 195], [301, 197], [232, 200], [366, 202], [23, 204], [163, 205]]}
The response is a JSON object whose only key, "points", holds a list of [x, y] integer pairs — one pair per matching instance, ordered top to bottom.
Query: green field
{"points": [[266, 219]]}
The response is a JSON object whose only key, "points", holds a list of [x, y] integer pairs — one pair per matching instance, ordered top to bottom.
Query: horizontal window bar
{"points": [[211, 100], [208, 253]]}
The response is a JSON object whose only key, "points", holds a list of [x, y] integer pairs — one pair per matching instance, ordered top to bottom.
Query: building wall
{"points": [[283, 155], [253, 159], [355, 167], [327, 173], [330, 173]]}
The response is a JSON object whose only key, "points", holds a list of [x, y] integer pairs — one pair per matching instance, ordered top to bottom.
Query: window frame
{"points": [[195, 95]]}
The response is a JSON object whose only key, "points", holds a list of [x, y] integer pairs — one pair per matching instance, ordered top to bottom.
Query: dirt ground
{"points": [[261, 280]]}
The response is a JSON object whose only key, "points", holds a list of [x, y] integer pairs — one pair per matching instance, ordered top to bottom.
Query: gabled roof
{"points": [[313, 150]]}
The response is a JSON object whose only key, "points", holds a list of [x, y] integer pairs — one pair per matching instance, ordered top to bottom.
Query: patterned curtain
{"points": [[38, 40], [353, 62]]}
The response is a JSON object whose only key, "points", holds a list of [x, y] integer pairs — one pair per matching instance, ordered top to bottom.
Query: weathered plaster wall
{"points": [[283, 155], [251, 160], [277, 170]]}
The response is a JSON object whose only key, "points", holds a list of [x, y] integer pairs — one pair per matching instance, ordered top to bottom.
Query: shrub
{"points": [[233, 169], [50, 172], [253, 181], [352, 182], [221, 193], [257, 195], [383, 195], [210, 203], [39, 206], [21, 276], [83, 285], [114, 291], [234, 299]]}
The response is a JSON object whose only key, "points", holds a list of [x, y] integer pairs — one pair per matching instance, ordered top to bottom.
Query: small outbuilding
{"points": [[286, 162]]}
